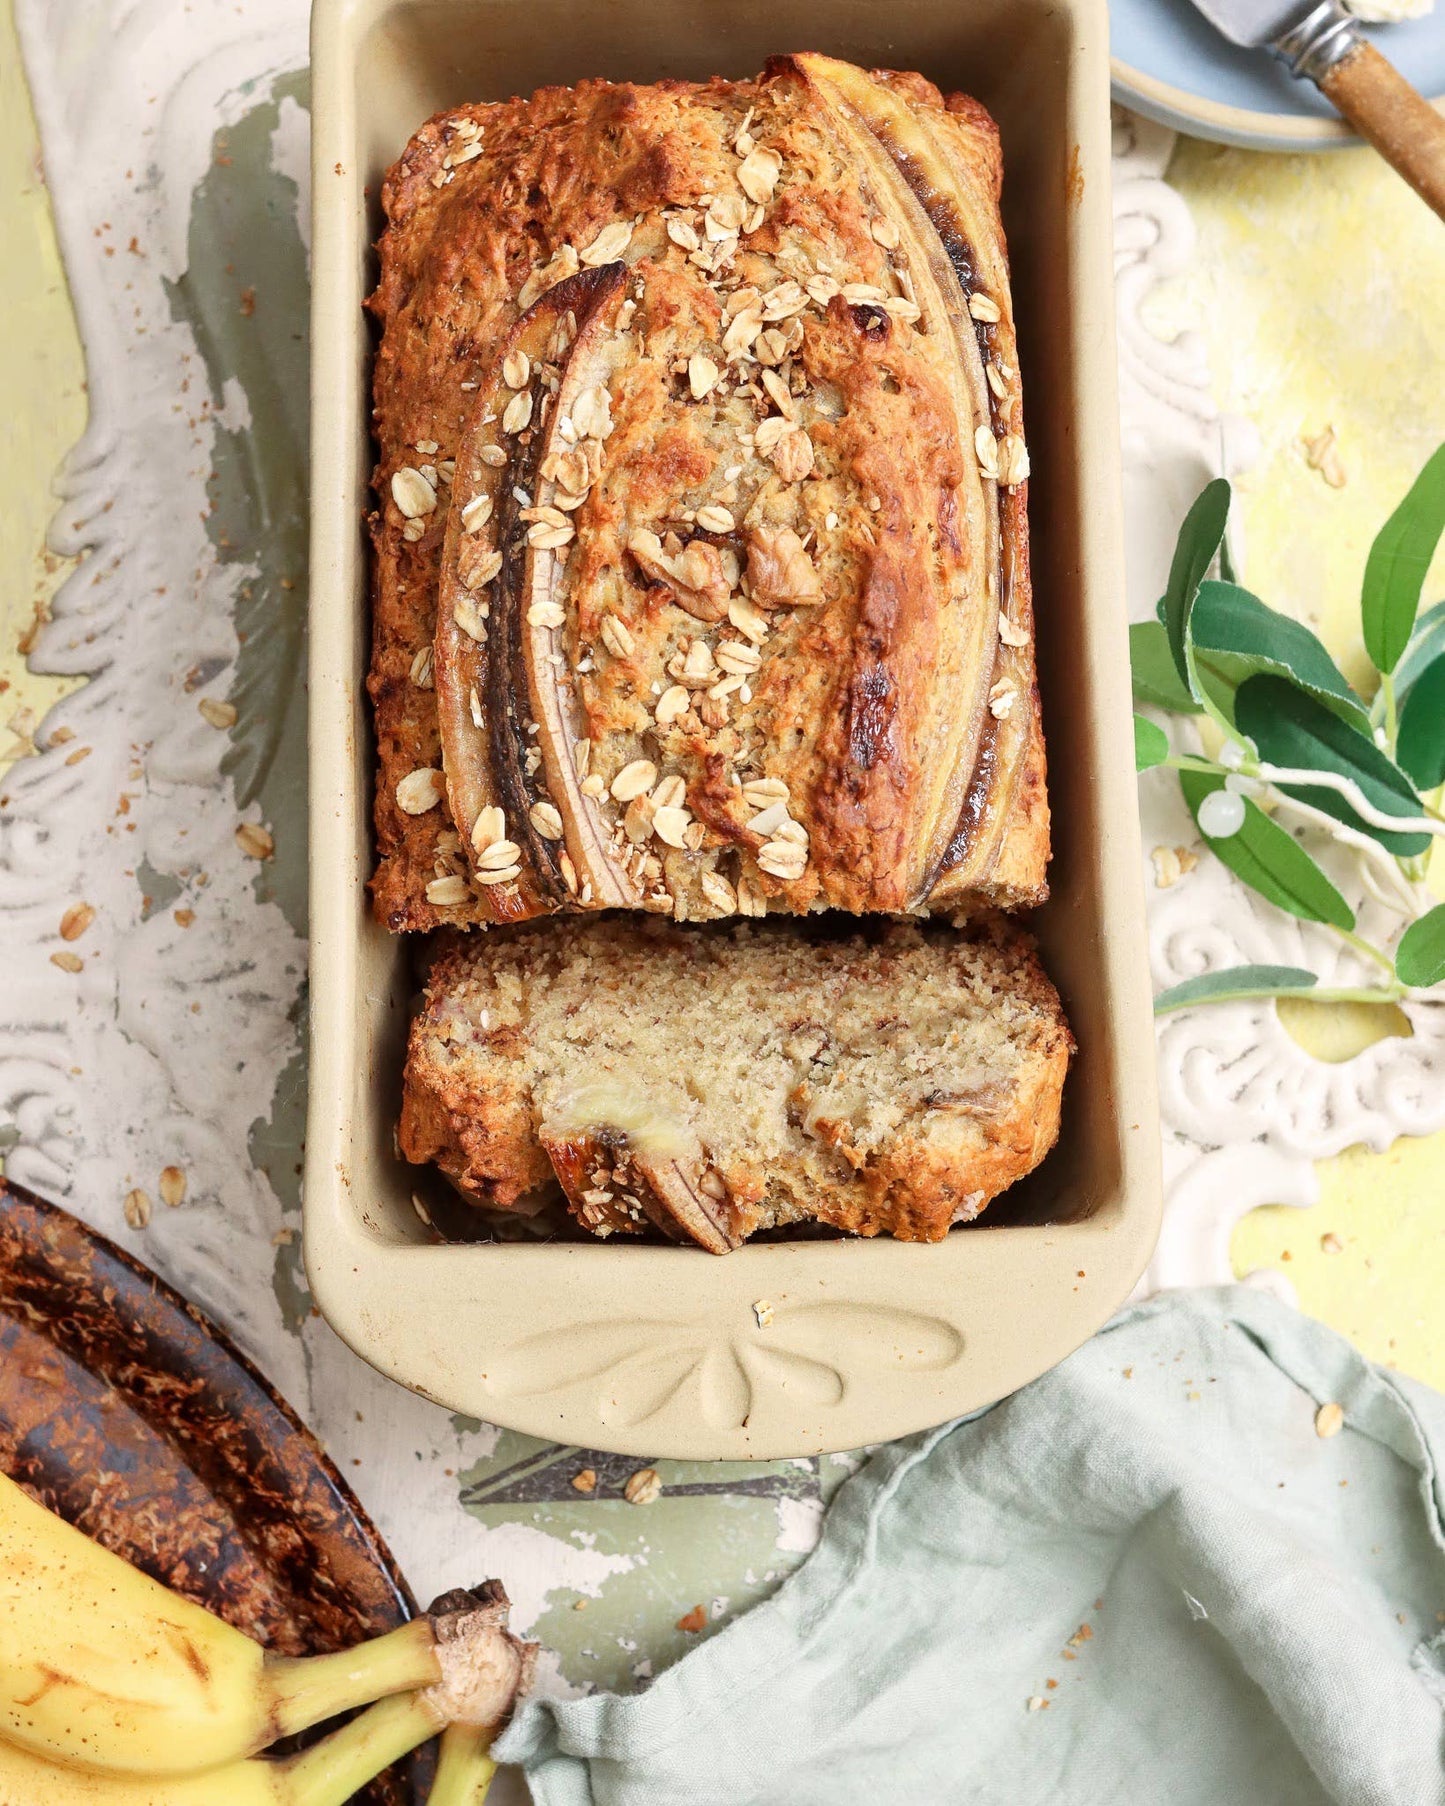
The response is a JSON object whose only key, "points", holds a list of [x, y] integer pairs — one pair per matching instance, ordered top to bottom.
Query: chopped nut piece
{"points": [[792, 456], [412, 493], [780, 571], [697, 667], [633, 779], [420, 790], [255, 841], [75, 921], [172, 1186], [137, 1208], [763, 1311], [585, 1480], [643, 1487], [694, 1620]]}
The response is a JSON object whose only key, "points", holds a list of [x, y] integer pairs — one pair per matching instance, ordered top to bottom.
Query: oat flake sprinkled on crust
{"points": [[608, 245], [412, 493], [420, 790]]}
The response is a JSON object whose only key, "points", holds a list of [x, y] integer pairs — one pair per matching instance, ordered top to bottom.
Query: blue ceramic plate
{"points": [[1170, 64]]}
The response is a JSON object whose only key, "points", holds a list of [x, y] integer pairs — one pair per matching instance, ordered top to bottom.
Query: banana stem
{"points": [[304, 1690], [464, 1767], [333, 1770]]}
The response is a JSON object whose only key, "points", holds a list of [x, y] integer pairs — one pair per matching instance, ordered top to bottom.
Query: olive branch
{"points": [[1295, 734]]}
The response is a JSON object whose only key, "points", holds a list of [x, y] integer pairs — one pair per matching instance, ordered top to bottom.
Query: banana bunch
{"points": [[114, 1691]]}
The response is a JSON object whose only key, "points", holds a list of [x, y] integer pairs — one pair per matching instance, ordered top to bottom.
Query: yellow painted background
{"points": [[1320, 290]]}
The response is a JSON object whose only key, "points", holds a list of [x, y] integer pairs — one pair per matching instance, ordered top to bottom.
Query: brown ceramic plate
{"points": [[128, 1413]]}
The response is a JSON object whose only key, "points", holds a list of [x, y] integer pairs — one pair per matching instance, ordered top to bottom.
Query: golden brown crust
{"points": [[878, 699], [711, 1082]]}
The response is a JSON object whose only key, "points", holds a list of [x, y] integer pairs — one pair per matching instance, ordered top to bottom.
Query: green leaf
{"points": [[1197, 546], [1399, 558], [1236, 636], [1427, 643], [1151, 664], [1290, 728], [1420, 741], [1151, 744], [1270, 860], [1420, 956], [1235, 982]]}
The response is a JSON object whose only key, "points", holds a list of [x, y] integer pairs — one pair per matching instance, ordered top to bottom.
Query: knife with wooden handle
{"points": [[1323, 44]]}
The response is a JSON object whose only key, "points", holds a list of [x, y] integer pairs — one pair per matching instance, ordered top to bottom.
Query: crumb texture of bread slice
{"points": [[701, 570], [712, 1082]]}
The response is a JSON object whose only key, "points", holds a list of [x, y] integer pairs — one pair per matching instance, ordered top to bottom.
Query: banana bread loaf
{"points": [[701, 578], [883, 1078]]}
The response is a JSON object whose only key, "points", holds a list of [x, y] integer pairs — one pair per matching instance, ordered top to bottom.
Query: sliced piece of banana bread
{"points": [[887, 1078]]}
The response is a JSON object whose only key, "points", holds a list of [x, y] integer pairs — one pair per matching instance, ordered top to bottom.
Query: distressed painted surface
{"points": [[1319, 287], [458, 1498]]}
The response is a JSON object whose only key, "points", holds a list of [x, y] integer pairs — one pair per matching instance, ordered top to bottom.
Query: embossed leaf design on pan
{"points": [[814, 1351]]}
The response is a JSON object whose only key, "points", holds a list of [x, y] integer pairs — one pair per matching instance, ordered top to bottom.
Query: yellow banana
{"points": [[102, 1666], [464, 1766], [326, 1775]]}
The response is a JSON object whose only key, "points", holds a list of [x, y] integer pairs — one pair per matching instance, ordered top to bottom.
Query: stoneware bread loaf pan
{"points": [[659, 1350]]}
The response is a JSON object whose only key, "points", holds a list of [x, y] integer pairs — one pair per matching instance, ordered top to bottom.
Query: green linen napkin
{"points": [[1145, 1580]]}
